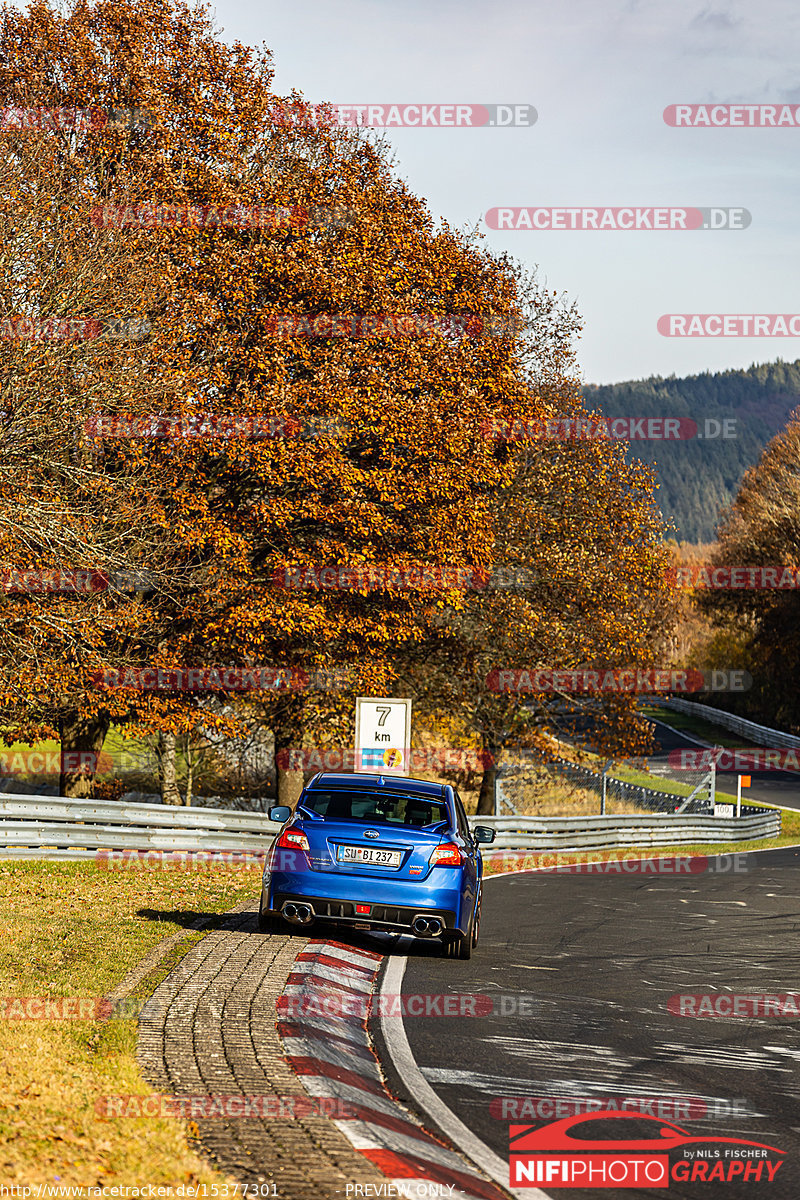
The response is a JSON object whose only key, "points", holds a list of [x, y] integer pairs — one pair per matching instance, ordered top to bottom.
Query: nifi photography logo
{"points": [[611, 1149]]}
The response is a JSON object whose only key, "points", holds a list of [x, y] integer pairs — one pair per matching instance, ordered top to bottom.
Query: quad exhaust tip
{"points": [[298, 914], [426, 926]]}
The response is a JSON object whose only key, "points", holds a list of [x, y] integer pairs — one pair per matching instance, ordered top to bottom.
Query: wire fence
{"points": [[611, 792]]}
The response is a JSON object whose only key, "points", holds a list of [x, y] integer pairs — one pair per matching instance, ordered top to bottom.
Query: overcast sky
{"points": [[599, 76]]}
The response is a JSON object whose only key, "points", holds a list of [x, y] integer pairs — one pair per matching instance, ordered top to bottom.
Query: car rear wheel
{"points": [[476, 921], [460, 944]]}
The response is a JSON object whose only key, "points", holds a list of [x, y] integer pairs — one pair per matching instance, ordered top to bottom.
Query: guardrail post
{"points": [[605, 785]]}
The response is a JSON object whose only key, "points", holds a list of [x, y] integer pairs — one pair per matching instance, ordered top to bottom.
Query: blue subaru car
{"points": [[377, 852]]}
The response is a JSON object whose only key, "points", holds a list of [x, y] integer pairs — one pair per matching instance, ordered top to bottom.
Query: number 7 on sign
{"points": [[384, 710]]}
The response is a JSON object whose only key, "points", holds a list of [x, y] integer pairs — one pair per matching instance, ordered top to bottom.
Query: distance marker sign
{"points": [[383, 735]]}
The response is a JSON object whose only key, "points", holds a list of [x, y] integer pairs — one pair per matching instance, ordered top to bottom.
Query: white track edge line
{"points": [[649, 858], [396, 1039]]}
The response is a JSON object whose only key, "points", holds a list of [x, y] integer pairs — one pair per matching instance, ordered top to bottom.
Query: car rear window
{"points": [[391, 809]]}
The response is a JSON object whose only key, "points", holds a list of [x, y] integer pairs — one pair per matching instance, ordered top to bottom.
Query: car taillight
{"points": [[293, 839], [446, 855]]}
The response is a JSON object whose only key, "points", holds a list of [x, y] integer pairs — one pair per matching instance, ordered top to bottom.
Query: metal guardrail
{"points": [[761, 735], [59, 827], [598, 833]]}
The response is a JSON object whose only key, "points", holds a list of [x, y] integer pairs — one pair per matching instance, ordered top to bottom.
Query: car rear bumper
{"points": [[394, 903], [381, 916]]}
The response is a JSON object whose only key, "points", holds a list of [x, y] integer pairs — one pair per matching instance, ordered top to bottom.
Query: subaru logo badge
{"points": [[371, 833]]}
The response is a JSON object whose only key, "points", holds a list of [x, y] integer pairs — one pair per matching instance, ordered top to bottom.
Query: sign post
{"points": [[383, 735], [742, 781]]}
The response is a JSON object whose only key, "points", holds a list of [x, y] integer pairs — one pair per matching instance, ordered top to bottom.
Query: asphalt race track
{"points": [[768, 787], [587, 965]]}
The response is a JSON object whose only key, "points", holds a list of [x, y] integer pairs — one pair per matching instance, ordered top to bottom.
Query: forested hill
{"points": [[700, 476]]}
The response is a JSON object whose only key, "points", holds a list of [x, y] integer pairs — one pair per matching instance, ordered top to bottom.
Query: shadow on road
{"points": [[192, 918], [376, 941]]}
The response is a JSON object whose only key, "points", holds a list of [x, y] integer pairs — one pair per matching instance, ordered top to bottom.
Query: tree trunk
{"points": [[82, 736], [167, 769], [189, 771], [289, 778], [290, 785], [486, 799]]}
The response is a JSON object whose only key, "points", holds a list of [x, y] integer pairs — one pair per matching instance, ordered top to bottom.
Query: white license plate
{"points": [[370, 855]]}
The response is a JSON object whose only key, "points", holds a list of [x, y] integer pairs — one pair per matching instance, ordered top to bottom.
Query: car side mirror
{"points": [[280, 812], [482, 833]]}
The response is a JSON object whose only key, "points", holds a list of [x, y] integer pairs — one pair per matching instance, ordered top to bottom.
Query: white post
{"points": [[606, 769], [738, 795]]}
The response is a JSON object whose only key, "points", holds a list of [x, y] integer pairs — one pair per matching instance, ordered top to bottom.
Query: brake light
{"points": [[293, 839], [446, 855]]}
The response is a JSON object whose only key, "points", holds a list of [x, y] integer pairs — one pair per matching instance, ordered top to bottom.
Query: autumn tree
{"points": [[380, 454], [395, 480], [73, 537], [580, 566], [758, 628]]}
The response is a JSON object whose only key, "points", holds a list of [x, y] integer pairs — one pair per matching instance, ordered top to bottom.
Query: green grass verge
{"points": [[707, 731], [75, 930]]}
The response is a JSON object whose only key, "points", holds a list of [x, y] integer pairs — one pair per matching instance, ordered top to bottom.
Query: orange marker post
{"points": [[743, 781]]}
